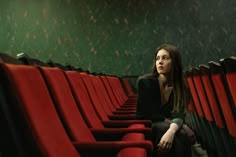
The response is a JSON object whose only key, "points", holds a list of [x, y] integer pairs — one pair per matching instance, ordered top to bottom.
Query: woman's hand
{"points": [[167, 139]]}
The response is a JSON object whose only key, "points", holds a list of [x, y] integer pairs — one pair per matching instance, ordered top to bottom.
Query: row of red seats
{"points": [[128, 88], [213, 90], [47, 111]]}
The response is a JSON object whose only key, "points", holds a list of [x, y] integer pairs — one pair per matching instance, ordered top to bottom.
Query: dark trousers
{"points": [[181, 145]]}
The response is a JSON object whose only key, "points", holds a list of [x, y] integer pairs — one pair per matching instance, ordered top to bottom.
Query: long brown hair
{"points": [[177, 78]]}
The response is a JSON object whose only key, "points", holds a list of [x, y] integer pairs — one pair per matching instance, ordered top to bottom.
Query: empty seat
{"points": [[230, 69], [128, 88], [220, 88], [119, 92], [97, 96], [105, 99], [225, 100], [97, 101], [118, 105], [68, 108], [216, 110], [38, 111], [93, 113], [199, 119], [44, 124], [213, 133]]}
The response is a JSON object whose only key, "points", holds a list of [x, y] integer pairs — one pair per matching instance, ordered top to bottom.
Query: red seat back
{"points": [[230, 68], [128, 87], [220, 88], [110, 91], [202, 94], [94, 97], [195, 97], [212, 97], [34, 99], [83, 100], [66, 105]]}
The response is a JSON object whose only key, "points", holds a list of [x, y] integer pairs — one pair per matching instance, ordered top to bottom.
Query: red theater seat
{"points": [[230, 69], [217, 76], [128, 88], [120, 93], [105, 99], [34, 100], [98, 101], [118, 105], [36, 106], [69, 110], [216, 110], [93, 114]]}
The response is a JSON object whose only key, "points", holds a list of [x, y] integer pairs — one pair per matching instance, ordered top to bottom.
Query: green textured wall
{"points": [[117, 36]]}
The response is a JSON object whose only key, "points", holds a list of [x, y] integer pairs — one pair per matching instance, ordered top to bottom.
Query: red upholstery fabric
{"points": [[229, 65], [231, 77], [128, 87], [116, 89], [119, 91], [110, 92], [102, 94], [195, 96], [94, 98], [104, 98], [203, 98], [114, 99], [83, 100], [213, 101], [98, 102], [224, 103], [36, 104], [65, 104], [86, 106], [191, 107], [71, 116], [42, 117], [109, 149], [132, 152]]}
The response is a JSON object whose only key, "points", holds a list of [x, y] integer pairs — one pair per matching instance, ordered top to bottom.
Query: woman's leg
{"points": [[158, 130], [182, 145]]}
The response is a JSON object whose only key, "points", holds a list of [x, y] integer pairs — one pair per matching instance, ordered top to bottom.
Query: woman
{"points": [[163, 98]]}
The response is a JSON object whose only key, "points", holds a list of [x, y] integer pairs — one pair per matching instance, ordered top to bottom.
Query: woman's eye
{"points": [[164, 58]]}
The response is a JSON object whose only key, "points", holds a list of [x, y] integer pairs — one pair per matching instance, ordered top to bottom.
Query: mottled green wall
{"points": [[117, 36]]}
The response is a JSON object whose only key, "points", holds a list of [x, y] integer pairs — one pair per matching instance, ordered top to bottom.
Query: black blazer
{"points": [[149, 104]]}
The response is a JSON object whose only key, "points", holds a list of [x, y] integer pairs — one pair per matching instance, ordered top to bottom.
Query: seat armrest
{"points": [[126, 123], [118, 133]]}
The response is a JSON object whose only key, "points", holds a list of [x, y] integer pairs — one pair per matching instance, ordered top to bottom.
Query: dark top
{"points": [[149, 104]]}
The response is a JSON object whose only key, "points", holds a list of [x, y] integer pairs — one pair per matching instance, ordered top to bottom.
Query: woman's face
{"points": [[163, 62]]}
